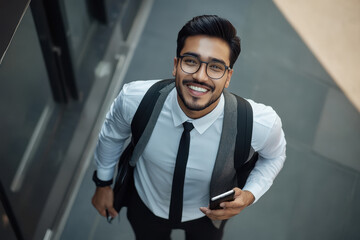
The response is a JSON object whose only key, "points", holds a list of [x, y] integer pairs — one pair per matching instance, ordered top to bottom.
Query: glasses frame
{"points": [[201, 62]]}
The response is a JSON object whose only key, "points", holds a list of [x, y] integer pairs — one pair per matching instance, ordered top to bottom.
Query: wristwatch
{"points": [[100, 183]]}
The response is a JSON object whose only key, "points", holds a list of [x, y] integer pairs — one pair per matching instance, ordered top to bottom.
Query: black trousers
{"points": [[148, 226]]}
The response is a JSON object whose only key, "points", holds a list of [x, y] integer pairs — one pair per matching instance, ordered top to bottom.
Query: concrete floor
{"points": [[316, 195]]}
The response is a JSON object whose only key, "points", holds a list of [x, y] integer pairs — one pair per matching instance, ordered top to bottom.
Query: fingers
{"points": [[237, 192], [242, 199], [102, 200], [237, 203], [101, 208], [229, 209], [205, 210], [102, 211], [112, 212], [220, 214]]}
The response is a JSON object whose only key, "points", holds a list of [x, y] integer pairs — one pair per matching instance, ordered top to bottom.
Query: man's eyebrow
{"points": [[192, 54], [198, 56], [218, 60]]}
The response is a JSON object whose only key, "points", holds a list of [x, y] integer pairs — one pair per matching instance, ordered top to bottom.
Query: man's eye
{"points": [[190, 61], [216, 67]]}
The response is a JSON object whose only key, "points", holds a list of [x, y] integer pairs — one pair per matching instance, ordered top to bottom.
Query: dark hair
{"points": [[214, 26]]}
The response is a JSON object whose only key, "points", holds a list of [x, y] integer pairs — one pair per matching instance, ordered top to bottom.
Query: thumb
{"points": [[237, 192], [113, 213]]}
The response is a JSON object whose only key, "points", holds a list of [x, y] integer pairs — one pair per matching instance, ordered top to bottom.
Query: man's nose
{"points": [[201, 74]]}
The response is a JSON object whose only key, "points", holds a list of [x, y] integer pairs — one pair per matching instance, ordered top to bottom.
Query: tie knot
{"points": [[188, 126]]}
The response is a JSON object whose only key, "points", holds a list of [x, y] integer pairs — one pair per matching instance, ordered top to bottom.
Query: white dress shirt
{"points": [[154, 170]]}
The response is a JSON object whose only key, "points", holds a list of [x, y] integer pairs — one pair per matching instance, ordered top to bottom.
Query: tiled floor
{"points": [[312, 20], [317, 193]]}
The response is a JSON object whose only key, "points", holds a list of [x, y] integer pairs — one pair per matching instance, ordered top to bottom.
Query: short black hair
{"points": [[214, 26]]}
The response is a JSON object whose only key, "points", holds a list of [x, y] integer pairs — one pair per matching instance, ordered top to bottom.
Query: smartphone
{"points": [[224, 197], [108, 217]]}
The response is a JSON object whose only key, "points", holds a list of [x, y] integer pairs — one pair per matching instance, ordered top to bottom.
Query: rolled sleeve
{"points": [[116, 129], [114, 132], [272, 155]]}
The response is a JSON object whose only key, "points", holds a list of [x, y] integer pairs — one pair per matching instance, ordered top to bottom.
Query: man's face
{"points": [[198, 94]]}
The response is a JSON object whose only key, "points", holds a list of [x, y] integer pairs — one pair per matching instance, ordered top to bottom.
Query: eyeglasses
{"points": [[214, 69]]}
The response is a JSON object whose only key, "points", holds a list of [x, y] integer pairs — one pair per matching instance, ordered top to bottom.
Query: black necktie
{"points": [[176, 204]]}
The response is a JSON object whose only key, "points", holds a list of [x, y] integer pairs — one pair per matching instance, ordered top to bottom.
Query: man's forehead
{"points": [[207, 48], [209, 58]]}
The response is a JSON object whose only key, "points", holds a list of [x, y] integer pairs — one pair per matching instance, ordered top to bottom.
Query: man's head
{"points": [[214, 26], [207, 49]]}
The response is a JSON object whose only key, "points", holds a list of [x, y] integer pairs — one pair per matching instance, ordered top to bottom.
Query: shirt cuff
{"points": [[105, 174], [255, 189]]}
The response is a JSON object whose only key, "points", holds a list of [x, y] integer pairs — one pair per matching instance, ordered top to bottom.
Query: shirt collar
{"points": [[200, 124]]}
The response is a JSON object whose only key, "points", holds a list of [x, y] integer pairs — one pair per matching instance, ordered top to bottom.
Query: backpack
{"points": [[243, 166]]}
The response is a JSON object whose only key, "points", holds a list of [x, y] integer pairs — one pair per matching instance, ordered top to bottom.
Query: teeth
{"points": [[199, 89]]}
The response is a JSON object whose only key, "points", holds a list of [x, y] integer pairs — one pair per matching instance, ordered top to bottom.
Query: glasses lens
{"points": [[190, 64], [215, 69]]}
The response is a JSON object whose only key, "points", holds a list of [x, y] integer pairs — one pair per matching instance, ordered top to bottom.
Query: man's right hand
{"points": [[103, 199]]}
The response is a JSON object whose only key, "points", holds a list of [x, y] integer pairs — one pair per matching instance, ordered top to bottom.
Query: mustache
{"points": [[185, 81]]}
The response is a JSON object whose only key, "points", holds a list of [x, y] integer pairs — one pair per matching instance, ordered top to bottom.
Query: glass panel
{"points": [[77, 23], [24, 97]]}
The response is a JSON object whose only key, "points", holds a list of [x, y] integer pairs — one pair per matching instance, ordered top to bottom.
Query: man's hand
{"points": [[103, 199], [230, 209]]}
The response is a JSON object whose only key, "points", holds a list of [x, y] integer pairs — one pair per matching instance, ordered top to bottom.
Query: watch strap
{"points": [[100, 183]]}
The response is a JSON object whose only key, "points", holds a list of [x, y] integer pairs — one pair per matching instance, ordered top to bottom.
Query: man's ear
{"points": [[175, 65], [228, 78]]}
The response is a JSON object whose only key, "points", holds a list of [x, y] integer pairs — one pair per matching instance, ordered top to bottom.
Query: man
{"points": [[207, 48]]}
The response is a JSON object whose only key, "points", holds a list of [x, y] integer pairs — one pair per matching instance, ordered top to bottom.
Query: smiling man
{"points": [[201, 56], [181, 163]]}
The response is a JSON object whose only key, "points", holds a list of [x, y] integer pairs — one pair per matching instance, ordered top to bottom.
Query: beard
{"points": [[193, 103]]}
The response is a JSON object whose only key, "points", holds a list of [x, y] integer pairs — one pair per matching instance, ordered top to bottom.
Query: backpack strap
{"points": [[145, 109], [140, 121], [141, 126], [244, 131], [242, 164]]}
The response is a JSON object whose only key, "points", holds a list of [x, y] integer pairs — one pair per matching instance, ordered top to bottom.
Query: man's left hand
{"points": [[230, 209]]}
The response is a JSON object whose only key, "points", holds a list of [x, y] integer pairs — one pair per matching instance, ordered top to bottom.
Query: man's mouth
{"points": [[198, 89]]}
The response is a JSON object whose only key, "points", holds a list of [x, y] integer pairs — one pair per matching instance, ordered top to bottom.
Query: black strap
{"points": [[147, 104], [141, 118], [244, 131], [243, 142], [124, 177]]}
